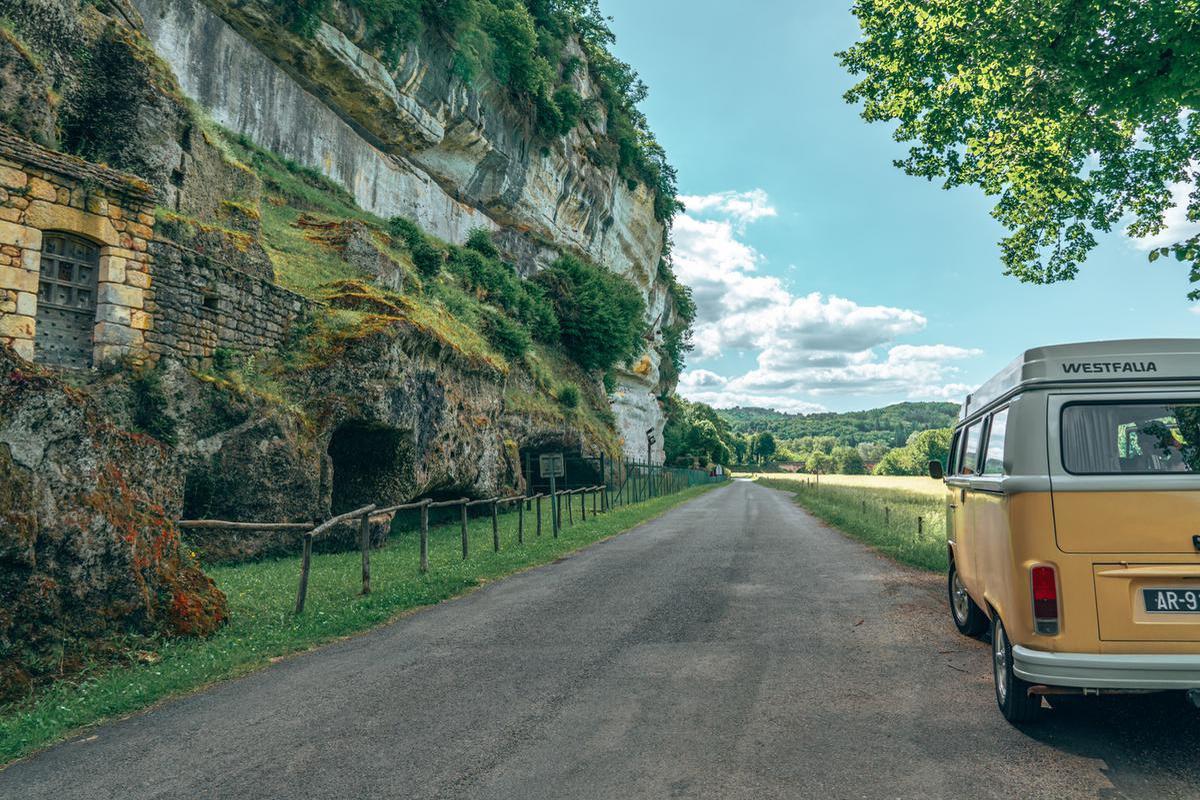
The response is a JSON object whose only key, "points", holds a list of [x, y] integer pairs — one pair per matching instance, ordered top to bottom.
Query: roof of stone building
{"points": [[28, 153]]}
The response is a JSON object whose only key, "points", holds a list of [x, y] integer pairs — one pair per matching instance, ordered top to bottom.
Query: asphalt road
{"points": [[734, 648]]}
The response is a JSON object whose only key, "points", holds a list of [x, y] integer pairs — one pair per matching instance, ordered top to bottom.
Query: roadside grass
{"points": [[910, 483], [884, 518], [262, 626]]}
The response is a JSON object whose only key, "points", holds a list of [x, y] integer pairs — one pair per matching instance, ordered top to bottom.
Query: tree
{"points": [[1074, 115], [601, 315], [764, 446], [740, 448], [914, 457], [847, 461], [818, 463]]}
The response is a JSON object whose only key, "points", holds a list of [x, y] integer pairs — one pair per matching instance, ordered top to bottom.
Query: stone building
{"points": [[74, 256], [84, 280]]}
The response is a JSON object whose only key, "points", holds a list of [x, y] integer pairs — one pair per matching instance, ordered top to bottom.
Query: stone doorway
{"points": [[66, 307]]}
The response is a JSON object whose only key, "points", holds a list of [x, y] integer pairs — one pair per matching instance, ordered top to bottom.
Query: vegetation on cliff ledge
{"points": [[527, 45]]}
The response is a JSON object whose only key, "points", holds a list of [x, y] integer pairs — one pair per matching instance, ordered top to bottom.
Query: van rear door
{"points": [[1125, 479]]}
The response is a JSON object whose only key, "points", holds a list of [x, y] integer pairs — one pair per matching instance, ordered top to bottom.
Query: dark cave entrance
{"points": [[371, 464]]}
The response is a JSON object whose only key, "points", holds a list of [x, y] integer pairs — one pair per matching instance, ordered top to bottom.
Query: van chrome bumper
{"points": [[1096, 671]]}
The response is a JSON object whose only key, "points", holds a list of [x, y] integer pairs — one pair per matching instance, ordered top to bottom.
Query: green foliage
{"points": [[522, 43], [1075, 116], [480, 240], [427, 257], [498, 283], [601, 315], [506, 336], [568, 395], [149, 406], [891, 425], [694, 431], [763, 446], [921, 448], [847, 461]]}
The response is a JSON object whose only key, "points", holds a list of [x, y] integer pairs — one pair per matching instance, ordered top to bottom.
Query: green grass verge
{"points": [[886, 519], [262, 625]]}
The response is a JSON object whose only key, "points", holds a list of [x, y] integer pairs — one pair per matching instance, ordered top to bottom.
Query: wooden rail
{"points": [[602, 501]]}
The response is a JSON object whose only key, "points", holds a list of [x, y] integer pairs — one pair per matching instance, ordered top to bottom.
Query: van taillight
{"points": [[1045, 600]]}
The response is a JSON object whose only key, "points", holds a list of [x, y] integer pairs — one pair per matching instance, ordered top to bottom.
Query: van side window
{"points": [[970, 452], [952, 458], [993, 461]]}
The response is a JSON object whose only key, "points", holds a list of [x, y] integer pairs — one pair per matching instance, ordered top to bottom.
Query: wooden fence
{"points": [[601, 501]]}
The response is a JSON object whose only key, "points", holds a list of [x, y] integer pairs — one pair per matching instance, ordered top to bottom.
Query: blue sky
{"points": [[825, 276]]}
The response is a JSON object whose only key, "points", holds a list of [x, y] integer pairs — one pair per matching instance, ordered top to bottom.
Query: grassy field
{"points": [[916, 484], [881, 511], [262, 626]]}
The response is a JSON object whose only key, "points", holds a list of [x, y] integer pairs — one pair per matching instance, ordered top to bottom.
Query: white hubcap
{"points": [[960, 599]]}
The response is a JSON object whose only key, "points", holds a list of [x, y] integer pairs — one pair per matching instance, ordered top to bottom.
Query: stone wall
{"points": [[44, 191], [200, 304]]}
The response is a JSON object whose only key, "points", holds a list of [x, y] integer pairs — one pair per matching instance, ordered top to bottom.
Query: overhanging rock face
{"points": [[418, 143]]}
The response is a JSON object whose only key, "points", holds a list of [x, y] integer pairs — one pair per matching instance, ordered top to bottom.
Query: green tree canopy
{"points": [[1073, 114]]}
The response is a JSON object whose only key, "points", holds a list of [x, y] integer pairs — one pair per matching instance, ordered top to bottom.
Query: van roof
{"points": [[1117, 361]]}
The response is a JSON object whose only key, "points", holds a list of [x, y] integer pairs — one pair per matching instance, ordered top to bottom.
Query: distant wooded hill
{"points": [[890, 425]]}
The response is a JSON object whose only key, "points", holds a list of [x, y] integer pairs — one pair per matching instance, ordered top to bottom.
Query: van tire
{"points": [[968, 617], [1012, 693]]}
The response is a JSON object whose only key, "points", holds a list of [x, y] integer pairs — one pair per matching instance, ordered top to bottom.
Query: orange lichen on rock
{"points": [[89, 552]]}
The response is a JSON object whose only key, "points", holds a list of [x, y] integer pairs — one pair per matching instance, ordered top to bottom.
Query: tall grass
{"points": [[886, 519], [262, 625]]}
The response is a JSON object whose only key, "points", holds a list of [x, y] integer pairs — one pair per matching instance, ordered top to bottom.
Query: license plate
{"points": [[1172, 601]]}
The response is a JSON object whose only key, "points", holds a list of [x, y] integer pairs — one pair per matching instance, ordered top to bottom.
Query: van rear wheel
{"points": [[968, 617], [1012, 693]]}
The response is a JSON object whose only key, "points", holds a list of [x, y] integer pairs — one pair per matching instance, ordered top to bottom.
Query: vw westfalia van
{"points": [[1073, 521]]}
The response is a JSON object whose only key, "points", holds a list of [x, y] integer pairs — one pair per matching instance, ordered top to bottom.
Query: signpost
{"points": [[551, 466]]}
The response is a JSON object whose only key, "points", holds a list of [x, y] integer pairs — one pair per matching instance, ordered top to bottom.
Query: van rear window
{"points": [[1131, 438]]}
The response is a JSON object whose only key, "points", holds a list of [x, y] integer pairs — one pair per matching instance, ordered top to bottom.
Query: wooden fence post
{"points": [[538, 499], [594, 503], [583, 506], [570, 510], [887, 515], [520, 522], [920, 526], [495, 529], [425, 537], [365, 543], [466, 546], [306, 560]]}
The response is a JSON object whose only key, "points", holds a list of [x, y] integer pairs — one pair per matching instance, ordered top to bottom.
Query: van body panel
{"points": [[1127, 523], [1122, 609]]}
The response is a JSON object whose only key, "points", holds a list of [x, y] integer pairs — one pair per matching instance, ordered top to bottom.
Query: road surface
{"points": [[734, 648]]}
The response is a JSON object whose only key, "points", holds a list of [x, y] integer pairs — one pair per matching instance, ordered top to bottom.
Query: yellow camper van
{"points": [[1073, 521]]}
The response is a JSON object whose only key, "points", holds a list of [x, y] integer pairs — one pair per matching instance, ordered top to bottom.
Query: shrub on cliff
{"points": [[601, 315], [506, 336], [89, 554]]}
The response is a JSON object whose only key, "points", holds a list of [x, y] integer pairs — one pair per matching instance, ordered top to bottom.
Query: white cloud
{"points": [[741, 207], [1176, 226], [811, 344]]}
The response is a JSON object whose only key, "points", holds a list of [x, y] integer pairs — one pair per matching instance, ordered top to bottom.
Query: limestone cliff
{"points": [[418, 142]]}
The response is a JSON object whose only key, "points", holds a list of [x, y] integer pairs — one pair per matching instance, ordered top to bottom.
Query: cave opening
{"points": [[371, 464]]}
